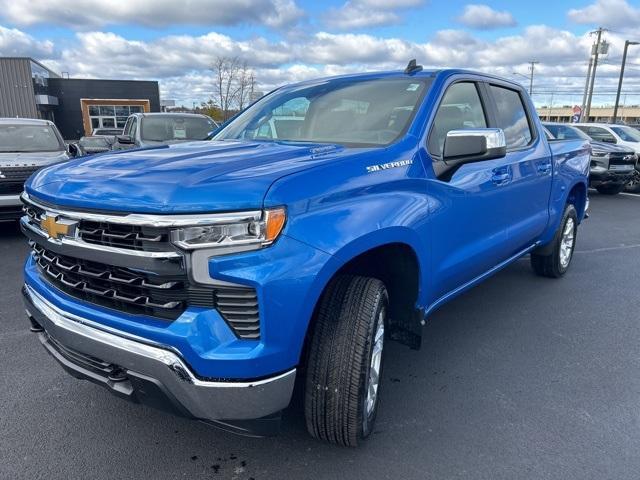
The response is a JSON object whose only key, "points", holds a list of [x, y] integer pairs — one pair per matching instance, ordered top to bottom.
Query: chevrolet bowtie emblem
{"points": [[57, 228]]}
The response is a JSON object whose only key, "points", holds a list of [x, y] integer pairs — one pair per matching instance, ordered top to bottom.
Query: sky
{"points": [[283, 41]]}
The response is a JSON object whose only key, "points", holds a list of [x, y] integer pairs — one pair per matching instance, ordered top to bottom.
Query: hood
{"points": [[604, 147], [31, 159], [184, 178]]}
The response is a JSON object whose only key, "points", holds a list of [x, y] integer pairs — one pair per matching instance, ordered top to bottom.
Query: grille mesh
{"points": [[12, 179]]}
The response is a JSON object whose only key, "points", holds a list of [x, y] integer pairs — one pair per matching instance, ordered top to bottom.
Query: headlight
{"points": [[599, 154], [230, 230]]}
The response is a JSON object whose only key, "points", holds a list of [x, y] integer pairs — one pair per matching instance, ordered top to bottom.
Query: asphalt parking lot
{"points": [[522, 377]]}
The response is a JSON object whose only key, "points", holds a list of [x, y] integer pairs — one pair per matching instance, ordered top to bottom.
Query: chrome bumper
{"points": [[10, 201], [141, 365]]}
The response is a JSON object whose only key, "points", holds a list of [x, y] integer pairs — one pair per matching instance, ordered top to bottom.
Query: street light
{"points": [[624, 61]]}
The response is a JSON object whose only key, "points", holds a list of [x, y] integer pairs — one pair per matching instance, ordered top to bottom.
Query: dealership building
{"points": [[28, 89]]}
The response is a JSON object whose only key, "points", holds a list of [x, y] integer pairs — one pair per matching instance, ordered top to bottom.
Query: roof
{"points": [[427, 73], [168, 114], [23, 121]]}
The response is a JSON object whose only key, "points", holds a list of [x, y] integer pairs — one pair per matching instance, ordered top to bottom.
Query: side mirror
{"points": [[125, 139], [470, 146], [73, 149]]}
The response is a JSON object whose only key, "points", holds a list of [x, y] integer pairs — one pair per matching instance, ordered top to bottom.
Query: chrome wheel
{"points": [[566, 243], [373, 381]]}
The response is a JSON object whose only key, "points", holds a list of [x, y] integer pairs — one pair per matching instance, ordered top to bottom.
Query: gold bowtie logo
{"points": [[54, 228]]}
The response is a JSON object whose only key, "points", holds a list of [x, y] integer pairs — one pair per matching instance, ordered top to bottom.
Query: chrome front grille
{"points": [[132, 237], [130, 267], [115, 287]]}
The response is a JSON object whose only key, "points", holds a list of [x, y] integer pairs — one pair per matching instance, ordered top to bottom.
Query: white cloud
{"points": [[608, 13], [86, 14], [355, 14], [483, 17], [14, 43], [181, 63]]}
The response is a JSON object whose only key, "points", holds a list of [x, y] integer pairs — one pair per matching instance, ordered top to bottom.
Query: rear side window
{"points": [[460, 109], [512, 117]]}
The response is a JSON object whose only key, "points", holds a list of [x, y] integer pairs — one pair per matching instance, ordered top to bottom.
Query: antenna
{"points": [[412, 67]]}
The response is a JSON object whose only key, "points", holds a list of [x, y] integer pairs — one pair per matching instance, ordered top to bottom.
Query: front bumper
{"points": [[600, 177], [150, 373]]}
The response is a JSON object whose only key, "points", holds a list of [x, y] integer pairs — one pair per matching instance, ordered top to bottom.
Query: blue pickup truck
{"points": [[331, 216]]}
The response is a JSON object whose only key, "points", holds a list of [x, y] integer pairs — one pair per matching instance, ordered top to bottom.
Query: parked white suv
{"points": [[622, 135]]}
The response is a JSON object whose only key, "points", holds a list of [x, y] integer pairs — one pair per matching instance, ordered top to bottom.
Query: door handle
{"points": [[544, 168], [501, 175]]}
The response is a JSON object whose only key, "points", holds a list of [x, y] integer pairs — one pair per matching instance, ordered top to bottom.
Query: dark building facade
{"points": [[30, 90], [87, 104]]}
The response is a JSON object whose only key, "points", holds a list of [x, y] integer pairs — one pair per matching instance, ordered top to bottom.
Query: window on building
{"points": [[111, 116]]}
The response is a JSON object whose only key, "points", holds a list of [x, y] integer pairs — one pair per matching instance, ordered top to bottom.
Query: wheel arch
{"points": [[396, 262]]}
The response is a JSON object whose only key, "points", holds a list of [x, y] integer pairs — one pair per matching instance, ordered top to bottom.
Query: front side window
{"points": [[460, 109], [349, 112], [512, 117], [627, 134], [29, 138]]}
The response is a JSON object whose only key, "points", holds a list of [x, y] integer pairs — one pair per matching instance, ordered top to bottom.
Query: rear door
{"points": [[528, 159], [468, 216]]}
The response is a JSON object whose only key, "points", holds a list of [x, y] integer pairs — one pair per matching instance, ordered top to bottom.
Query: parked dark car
{"points": [[153, 129], [95, 144], [612, 166]]}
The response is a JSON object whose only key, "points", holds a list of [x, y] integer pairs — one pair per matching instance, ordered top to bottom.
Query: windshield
{"points": [[348, 112], [166, 128], [566, 132], [627, 134], [29, 138]]}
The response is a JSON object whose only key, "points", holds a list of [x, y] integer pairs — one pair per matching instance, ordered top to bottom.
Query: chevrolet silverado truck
{"points": [[206, 277]]}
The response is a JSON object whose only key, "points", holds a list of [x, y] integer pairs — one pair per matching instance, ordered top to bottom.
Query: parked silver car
{"points": [[152, 129], [26, 145]]}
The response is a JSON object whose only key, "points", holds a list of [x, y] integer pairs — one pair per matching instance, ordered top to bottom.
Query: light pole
{"points": [[624, 61]]}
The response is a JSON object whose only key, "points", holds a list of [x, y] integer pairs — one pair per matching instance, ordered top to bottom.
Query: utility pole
{"points": [[598, 46], [624, 61], [533, 65], [586, 89]]}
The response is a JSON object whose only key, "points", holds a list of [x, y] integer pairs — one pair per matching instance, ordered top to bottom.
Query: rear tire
{"points": [[610, 189], [556, 263], [345, 360]]}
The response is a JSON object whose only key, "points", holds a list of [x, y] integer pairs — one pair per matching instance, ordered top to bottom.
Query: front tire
{"points": [[555, 260], [345, 360]]}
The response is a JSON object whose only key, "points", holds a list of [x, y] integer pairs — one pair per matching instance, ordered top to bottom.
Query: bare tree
{"points": [[226, 72], [234, 85], [246, 86]]}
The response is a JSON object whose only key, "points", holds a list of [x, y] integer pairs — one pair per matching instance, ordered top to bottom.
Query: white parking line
{"points": [[631, 194]]}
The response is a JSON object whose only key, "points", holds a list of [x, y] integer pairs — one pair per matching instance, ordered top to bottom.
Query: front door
{"points": [[470, 211]]}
